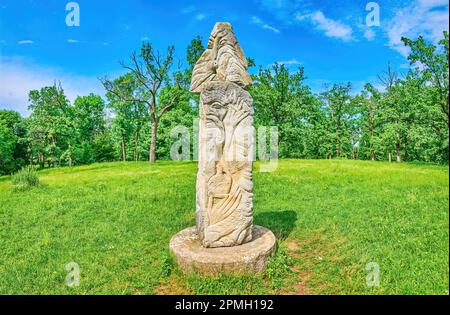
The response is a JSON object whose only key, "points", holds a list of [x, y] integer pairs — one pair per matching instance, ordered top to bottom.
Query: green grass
{"points": [[331, 218]]}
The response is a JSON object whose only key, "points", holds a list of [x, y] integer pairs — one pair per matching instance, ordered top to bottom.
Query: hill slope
{"points": [[332, 218]]}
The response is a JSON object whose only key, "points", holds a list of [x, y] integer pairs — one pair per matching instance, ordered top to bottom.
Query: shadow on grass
{"points": [[281, 223]]}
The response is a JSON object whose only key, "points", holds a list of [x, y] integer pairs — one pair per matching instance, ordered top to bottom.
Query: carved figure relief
{"points": [[224, 204]]}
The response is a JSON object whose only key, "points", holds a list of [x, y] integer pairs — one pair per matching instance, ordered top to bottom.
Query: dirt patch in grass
{"points": [[308, 254], [300, 285], [173, 286]]}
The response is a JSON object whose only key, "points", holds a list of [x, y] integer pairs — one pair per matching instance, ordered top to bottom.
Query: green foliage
{"points": [[193, 52], [433, 63], [282, 99], [89, 114], [341, 121], [405, 121], [408, 121], [51, 127], [13, 143], [7, 145], [103, 147], [25, 178]]}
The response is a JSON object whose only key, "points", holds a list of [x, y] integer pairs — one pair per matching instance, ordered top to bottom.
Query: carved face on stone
{"points": [[223, 60], [217, 98], [224, 202]]}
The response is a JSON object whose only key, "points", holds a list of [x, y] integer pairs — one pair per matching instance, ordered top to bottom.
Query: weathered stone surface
{"points": [[223, 60], [224, 182], [224, 202], [224, 239], [250, 257]]}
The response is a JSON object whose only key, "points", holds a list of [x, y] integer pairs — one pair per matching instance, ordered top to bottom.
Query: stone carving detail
{"points": [[223, 60], [224, 203]]}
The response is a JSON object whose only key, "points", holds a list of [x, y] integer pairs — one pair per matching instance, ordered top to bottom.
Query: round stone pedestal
{"points": [[250, 257]]}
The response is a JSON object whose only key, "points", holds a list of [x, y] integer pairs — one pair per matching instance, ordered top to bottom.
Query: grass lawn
{"points": [[331, 218]]}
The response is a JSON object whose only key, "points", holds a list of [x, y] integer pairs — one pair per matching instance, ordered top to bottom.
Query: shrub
{"points": [[25, 178]]}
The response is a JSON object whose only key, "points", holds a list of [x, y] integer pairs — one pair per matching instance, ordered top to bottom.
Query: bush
{"points": [[25, 178]]}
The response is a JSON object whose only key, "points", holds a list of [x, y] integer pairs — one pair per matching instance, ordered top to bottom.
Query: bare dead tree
{"points": [[152, 71], [388, 77]]}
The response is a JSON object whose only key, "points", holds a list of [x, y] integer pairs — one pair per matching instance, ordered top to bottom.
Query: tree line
{"points": [[405, 120]]}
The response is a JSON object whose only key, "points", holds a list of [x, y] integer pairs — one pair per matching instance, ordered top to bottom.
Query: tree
{"points": [[193, 53], [433, 63], [152, 72], [388, 78], [282, 99], [120, 101], [369, 105], [341, 113], [89, 116], [11, 121], [89, 123], [50, 125], [7, 145]]}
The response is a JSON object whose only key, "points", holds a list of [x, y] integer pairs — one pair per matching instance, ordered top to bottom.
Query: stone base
{"points": [[250, 257]]}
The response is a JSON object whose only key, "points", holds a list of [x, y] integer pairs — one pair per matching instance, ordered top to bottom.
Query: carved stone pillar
{"points": [[224, 200]]}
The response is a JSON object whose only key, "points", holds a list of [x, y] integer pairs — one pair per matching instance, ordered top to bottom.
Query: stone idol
{"points": [[224, 238]]}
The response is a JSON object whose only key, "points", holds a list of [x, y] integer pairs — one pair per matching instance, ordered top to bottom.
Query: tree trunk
{"points": [[138, 139], [407, 150], [338, 152], [372, 153], [70, 155], [124, 155], [151, 156], [390, 157], [399, 158], [41, 160]]}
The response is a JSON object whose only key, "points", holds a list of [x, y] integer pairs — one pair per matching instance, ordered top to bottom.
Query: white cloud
{"points": [[433, 3], [188, 9], [283, 9], [200, 16], [427, 18], [256, 20], [331, 28], [273, 29], [369, 34], [72, 41], [25, 42], [289, 62], [19, 76]]}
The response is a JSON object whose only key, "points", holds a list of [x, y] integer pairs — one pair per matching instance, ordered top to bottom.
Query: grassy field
{"points": [[331, 218]]}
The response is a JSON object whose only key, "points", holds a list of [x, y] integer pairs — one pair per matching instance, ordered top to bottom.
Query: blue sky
{"points": [[329, 38]]}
